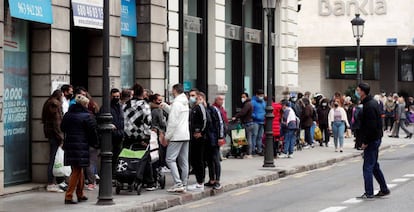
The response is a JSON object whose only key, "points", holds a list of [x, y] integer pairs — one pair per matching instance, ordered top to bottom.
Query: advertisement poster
{"points": [[33, 10], [88, 13], [128, 18], [16, 103]]}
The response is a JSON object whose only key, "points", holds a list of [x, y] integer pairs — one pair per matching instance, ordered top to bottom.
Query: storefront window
{"points": [[191, 40], [370, 57], [127, 62], [406, 65], [16, 101]]}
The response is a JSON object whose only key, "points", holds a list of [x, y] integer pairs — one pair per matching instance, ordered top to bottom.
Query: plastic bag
{"points": [[59, 169]]}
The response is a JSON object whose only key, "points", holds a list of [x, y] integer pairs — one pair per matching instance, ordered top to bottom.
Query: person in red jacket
{"points": [[277, 112]]}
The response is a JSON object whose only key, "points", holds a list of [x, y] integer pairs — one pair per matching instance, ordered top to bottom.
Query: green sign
{"points": [[350, 66]]}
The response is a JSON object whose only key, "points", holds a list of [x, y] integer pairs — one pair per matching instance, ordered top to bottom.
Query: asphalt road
{"points": [[329, 189]]}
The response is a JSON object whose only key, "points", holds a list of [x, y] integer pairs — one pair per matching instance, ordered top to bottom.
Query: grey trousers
{"points": [[177, 152]]}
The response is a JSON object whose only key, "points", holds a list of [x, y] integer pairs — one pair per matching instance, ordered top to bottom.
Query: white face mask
{"points": [[193, 99], [243, 100], [324, 104]]}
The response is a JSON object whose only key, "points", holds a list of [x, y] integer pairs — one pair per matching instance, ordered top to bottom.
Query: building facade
{"points": [[326, 40], [217, 46]]}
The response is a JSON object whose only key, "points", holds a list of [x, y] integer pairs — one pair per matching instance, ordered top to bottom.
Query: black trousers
{"points": [[325, 132], [308, 136], [116, 150], [197, 160], [213, 161]]}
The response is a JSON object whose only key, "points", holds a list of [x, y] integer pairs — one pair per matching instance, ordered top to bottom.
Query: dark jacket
{"points": [[323, 113], [245, 115], [51, 118], [306, 119], [117, 120], [159, 120], [198, 120], [371, 124], [215, 125], [79, 127]]}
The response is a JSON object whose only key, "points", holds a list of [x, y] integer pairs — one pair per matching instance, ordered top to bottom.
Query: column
{"points": [[149, 54]]}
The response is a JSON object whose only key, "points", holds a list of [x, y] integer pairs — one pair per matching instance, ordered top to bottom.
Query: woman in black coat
{"points": [[79, 127]]}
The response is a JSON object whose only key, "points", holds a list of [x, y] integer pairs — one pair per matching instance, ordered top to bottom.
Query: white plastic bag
{"points": [[154, 147], [59, 169]]}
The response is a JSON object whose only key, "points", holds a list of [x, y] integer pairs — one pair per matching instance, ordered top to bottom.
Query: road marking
{"points": [[404, 145], [392, 150], [355, 160], [325, 168], [300, 175], [409, 175], [400, 180], [272, 183], [391, 185], [240, 193], [352, 201], [200, 205], [333, 209]]}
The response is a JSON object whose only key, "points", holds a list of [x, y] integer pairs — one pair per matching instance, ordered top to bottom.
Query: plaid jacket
{"points": [[137, 119]]}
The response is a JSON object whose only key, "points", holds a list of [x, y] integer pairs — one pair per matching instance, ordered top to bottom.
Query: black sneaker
{"points": [[208, 184], [217, 186], [383, 193], [366, 197]]}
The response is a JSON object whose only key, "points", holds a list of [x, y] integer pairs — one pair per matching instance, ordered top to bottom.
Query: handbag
{"points": [[59, 169]]}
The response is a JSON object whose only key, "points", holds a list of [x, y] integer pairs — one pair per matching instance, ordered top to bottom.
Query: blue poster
{"points": [[32, 10], [128, 18], [16, 103]]}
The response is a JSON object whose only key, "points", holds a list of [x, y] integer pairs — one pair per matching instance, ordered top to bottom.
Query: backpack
{"points": [[410, 117]]}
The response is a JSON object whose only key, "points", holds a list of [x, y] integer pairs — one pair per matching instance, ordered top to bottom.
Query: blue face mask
{"points": [[357, 95], [261, 98], [193, 99]]}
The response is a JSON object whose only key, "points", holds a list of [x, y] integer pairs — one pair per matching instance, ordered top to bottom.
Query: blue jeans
{"points": [[249, 128], [338, 129], [258, 130], [312, 131], [289, 142], [371, 167]]}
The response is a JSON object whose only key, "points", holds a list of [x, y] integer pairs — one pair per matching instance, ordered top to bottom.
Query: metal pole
{"points": [[359, 75], [105, 121], [268, 160]]}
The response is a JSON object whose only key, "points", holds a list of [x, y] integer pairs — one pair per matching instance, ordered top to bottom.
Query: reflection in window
{"points": [[127, 62], [406, 65]]}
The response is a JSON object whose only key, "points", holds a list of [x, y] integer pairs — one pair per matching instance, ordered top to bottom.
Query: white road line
{"points": [[409, 175], [400, 180], [391, 185], [240, 193], [352, 201], [200, 205], [333, 209]]}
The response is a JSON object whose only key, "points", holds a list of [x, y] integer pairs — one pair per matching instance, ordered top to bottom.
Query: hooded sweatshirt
{"points": [[178, 127]]}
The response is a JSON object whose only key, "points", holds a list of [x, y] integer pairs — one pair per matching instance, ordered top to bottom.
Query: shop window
{"points": [[370, 58], [406, 61], [127, 62]]}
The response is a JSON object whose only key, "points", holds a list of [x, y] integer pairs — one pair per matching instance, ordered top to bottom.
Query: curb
{"points": [[176, 200]]}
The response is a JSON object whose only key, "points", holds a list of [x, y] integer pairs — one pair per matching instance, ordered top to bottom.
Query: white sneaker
{"points": [[306, 147], [283, 155], [290, 156], [165, 170], [97, 177], [196, 187], [54, 188], [176, 188]]}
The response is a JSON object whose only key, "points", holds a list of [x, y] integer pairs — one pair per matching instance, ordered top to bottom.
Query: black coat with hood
{"points": [[80, 130]]}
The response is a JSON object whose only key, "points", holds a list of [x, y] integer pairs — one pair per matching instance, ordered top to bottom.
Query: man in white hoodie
{"points": [[178, 136]]}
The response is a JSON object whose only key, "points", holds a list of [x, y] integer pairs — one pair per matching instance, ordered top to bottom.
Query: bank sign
{"points": [[352, 7], [32, 10]]}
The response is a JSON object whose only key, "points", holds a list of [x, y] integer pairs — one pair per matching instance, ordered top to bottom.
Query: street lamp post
{"points": [[269, 7], [358, 31], [105, 120]]}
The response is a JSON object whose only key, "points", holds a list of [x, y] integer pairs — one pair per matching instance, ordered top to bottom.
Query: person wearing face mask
{"points": [[323, 112], [258, 115], [245, 116], [337, 119], [118, 122]]}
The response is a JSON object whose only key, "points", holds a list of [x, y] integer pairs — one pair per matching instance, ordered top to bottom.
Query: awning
{"points": [[32, 10], [88, 13], [128, 18]]}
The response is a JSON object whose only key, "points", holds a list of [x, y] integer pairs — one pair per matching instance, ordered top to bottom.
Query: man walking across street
{"points": [[371, 132], [178, 137]]}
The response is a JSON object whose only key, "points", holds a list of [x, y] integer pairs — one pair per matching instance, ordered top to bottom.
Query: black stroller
{"points": [[239, 145], [137, 165]]}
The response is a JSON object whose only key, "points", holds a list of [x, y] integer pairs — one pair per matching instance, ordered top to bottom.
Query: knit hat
{"points": [[364, 87]]}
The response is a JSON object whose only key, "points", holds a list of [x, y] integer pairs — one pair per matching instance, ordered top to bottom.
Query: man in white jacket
{"points": [[178, 136]]}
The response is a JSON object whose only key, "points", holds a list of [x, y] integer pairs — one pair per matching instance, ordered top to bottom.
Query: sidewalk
{"points": [[236, 173]]}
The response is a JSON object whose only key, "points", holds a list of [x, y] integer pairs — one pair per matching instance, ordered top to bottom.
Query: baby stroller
{"points": [[239, 142], [137, 165]]}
